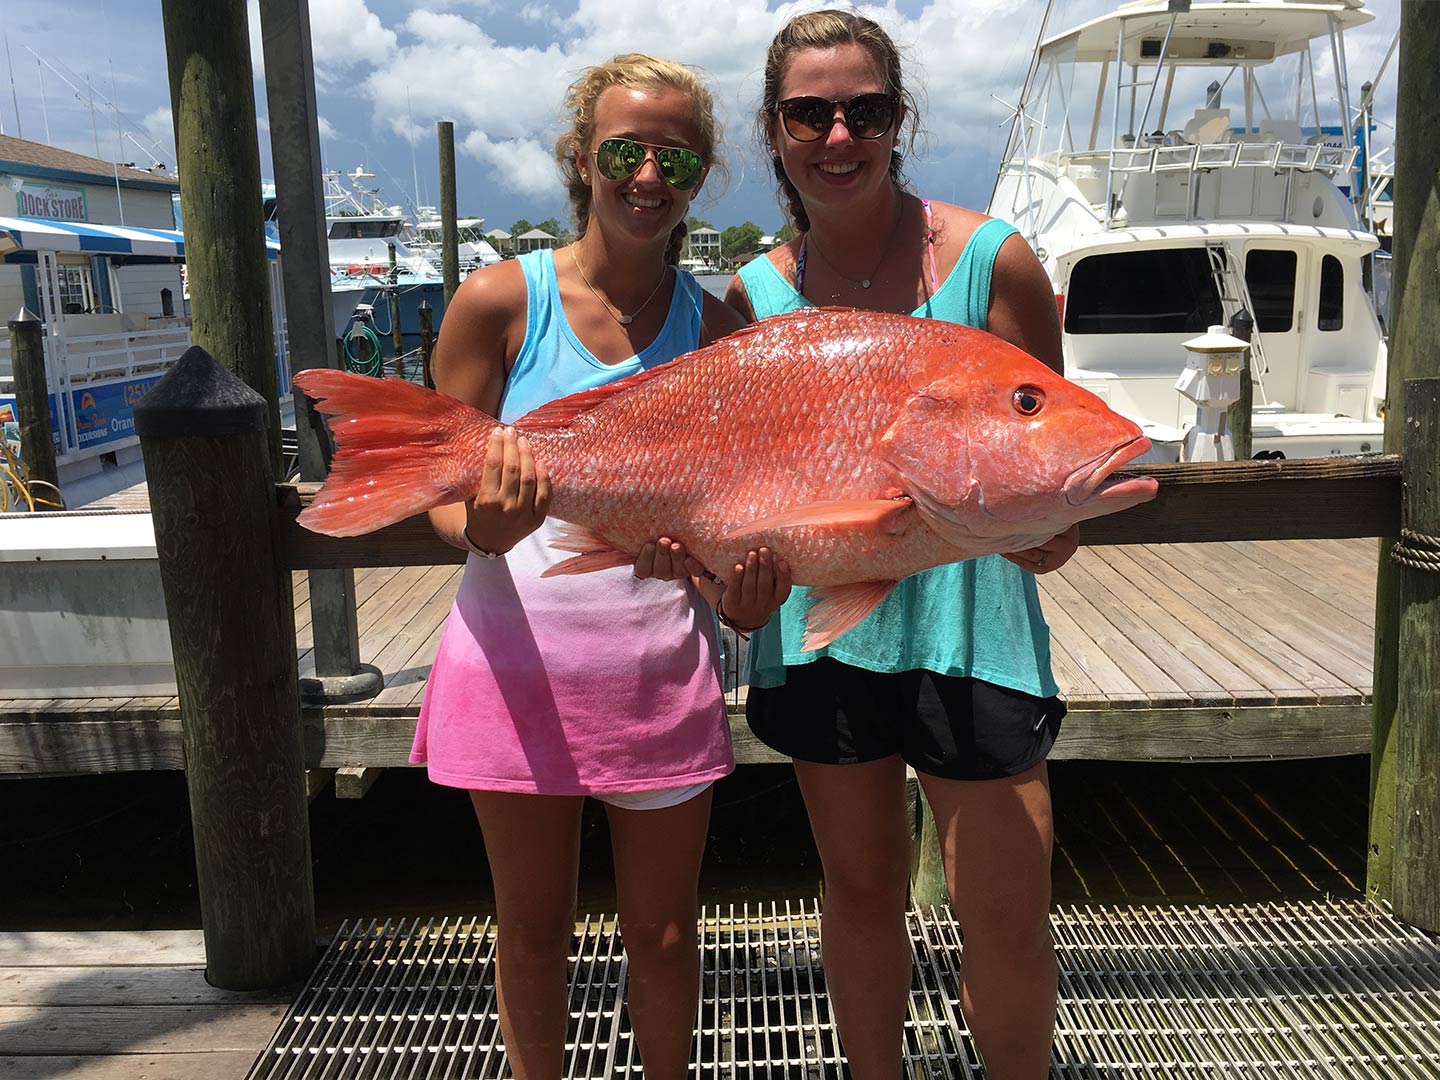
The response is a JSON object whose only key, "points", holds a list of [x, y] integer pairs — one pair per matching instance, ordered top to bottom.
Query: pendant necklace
{"points": [[866, 281], [615, 313]]}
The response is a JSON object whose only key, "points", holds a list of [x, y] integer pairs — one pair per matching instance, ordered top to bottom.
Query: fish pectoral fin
{"points": [[886, 516], [594, 552], [835, 609]]}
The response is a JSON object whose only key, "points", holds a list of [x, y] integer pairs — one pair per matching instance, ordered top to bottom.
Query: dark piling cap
{"points": [[24, 319], [199, 397]]}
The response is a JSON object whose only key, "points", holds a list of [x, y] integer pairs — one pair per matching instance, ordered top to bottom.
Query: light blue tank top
{"points": [[553, 363], [980, 618]]}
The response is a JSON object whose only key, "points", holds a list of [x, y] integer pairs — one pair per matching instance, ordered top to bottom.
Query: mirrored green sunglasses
{"points": [[618, 159]]}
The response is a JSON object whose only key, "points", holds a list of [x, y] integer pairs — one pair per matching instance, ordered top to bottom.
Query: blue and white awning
{"points": [[42, 234]]}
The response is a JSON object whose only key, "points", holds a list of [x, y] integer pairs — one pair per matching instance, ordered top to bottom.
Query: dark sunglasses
{"points": [[866, 116], [620, 158]]}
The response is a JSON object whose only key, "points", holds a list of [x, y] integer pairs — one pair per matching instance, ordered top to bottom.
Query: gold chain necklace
{"points": [[865, 282], [616, 313]]}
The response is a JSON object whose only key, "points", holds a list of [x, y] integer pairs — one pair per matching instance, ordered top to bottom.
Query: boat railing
{"points": [[1198, 157], [1194, 158], [115, 355], [108, 356]]}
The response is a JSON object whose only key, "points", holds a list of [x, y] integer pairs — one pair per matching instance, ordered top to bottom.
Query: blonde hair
{"points": [[828, 30], [641, 72]]}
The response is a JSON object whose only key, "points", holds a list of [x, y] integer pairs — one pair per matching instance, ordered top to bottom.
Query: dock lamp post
{"points": [[1211, 380]]}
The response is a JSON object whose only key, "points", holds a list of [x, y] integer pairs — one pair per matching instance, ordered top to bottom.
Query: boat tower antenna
{"points": [[14, 95], [44, 106], [1019, 116], [119, 130], [410, 137]]}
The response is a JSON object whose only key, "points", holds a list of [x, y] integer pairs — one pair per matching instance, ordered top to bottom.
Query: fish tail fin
{"points": [[397, 449], [835, 609]]}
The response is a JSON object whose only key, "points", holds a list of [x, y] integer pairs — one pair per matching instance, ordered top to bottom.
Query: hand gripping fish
{"points": [[862, 447]]}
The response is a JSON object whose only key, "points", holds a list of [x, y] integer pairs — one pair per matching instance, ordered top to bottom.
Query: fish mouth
{"points": [[1094, 481]]}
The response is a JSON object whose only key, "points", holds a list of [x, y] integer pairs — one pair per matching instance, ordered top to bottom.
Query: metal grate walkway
{"points": [[1315, 990]]}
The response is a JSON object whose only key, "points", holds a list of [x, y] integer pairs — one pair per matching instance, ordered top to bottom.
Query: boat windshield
{"points": [[359, 228]]}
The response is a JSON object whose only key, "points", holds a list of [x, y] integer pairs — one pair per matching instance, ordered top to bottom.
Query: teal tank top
{"points": [[553, 362], [980, 618]]}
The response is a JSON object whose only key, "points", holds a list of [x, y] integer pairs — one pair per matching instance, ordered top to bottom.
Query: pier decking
{"points": [[1252, 649], [1319, 991]]}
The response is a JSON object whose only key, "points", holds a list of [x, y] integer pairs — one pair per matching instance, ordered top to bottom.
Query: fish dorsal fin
{"points": [[770, 322], [562, 412], [885, 516]]}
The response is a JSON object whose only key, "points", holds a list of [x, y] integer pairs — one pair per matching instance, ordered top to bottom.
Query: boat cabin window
{"points": [[362, 229], [1270, 277], [1167, 291], [1331, 314]]}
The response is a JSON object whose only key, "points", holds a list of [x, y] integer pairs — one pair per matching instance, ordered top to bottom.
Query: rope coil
{"points": [[1417, 551]]}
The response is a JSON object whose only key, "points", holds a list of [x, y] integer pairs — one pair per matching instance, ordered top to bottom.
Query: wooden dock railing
{"points": [[1326, 498]]}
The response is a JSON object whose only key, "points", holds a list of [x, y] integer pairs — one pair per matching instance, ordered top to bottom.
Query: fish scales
{"points": [[861, 446]]}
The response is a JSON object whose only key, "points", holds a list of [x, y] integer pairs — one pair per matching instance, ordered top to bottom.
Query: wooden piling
{"points": [[212, 97], [295, 150], [449, 231], [392, 296], [427, 343], [1414, 353], [32, 406], [1238, 419], [207, 463], [1417, 711], [927, 877]]}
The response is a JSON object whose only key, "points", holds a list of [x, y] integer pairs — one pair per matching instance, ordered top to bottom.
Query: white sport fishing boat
{"points": [[1175, 162]]}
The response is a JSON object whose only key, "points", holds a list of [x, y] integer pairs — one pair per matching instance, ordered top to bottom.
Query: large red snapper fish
{"points": [[862, 447]]}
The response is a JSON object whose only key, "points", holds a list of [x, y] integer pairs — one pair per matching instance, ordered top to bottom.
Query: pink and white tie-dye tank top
{"points": [[574, 685]]}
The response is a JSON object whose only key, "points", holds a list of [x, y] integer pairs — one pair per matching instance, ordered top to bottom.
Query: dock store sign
{"points": [[45, 201]]}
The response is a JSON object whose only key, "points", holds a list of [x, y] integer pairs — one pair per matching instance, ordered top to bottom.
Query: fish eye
{"points": [[1028, 400]]}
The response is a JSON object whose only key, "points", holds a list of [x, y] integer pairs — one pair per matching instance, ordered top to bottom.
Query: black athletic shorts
{"points": [[958, 728]]}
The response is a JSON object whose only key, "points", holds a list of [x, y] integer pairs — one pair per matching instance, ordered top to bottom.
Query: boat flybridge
{"points": [[1175, 162]]}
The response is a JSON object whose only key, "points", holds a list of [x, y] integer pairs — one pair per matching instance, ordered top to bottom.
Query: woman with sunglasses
{"points": [[951, 674], [602, 684]]}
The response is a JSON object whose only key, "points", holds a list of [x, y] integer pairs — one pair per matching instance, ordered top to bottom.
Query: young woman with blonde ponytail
{"points": [[603, 684]]}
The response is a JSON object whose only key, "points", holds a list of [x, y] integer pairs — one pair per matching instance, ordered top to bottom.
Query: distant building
{"points": [[39, 181], [501, 240], [534, 240], [703, 244]]}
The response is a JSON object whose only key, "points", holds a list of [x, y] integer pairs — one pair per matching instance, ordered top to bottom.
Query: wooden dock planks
{"points": [[1189, 651], [101, 1005]]}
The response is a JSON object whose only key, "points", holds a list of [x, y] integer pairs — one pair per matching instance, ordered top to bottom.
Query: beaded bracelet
{"points": [[476, 548], [743, 632]]}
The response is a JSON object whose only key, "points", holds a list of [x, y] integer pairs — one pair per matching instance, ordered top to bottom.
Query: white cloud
{"points": [[343, 33], [449, 61], [523, 166]]}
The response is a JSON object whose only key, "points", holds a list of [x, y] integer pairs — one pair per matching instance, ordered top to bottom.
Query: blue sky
{"points": [[388, 69]]}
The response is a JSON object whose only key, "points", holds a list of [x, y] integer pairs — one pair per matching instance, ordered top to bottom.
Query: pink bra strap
{"points": [[930, 244]]}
